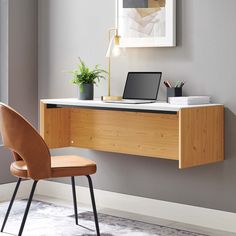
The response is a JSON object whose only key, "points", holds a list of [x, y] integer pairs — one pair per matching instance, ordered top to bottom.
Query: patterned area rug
{"points": [[47, 219]]}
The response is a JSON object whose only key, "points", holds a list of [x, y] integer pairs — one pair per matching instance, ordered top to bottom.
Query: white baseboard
{"points": [[6, 190], [203, 217]]}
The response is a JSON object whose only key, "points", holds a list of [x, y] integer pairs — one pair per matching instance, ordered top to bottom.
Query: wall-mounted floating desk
{"points": [[192, 135]]}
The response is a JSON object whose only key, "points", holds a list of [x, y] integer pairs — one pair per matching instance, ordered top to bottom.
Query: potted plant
{"points": [[85, 78]]}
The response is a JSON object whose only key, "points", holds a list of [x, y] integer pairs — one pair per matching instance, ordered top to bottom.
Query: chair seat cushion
{"points": [[61, 166]]}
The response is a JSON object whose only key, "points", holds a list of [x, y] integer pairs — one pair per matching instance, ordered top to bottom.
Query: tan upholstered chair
{"points": [[33, 160]]}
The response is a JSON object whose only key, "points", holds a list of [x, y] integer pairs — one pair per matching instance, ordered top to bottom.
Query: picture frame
{"points": [[146, 23]]}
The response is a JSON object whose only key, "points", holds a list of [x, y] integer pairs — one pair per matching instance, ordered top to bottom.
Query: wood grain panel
{"points": [[55, 126], [145, 134], [202, 136]]}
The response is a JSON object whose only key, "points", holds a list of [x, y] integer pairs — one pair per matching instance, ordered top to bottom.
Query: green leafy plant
{"points": [[84, 75]]}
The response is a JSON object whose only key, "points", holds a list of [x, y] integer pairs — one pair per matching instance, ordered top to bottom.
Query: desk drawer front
{"points": [[145, 134]]}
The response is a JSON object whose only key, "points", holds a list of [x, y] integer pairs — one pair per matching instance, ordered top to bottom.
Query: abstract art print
{"points": [[147, 23]]}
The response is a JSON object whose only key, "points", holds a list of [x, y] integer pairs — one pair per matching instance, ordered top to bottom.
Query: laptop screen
{"points": [[142, 85]]}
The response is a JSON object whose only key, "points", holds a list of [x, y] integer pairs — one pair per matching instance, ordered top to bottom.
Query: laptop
{"points": [[140, 88]]}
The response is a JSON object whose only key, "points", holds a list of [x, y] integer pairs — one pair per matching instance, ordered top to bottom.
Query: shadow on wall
{"points": [[230, 134]]}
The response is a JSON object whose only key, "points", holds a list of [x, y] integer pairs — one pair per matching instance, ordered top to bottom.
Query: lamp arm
{"points": [[115, 38], [108, 55]]}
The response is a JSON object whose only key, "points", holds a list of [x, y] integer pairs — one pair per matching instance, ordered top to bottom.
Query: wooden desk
{"points": [[192, 135]]}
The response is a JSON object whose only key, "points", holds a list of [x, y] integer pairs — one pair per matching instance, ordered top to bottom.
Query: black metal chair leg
{"points": [[74, 199], [11, 203], [94, 205], [27, 208]]}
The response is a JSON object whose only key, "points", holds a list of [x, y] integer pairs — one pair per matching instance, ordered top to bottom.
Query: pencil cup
{"points": [[173, 92]]}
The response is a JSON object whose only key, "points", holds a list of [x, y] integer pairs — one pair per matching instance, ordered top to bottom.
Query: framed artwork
{"points": [[147, 23]]}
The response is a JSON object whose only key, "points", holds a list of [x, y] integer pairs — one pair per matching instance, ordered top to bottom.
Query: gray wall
{"points": [[4, 50], [204, 58], [20, 66]]}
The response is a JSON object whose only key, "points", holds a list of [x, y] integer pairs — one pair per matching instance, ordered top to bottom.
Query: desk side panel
{"points": [[55, 126], [137, 133], [201, 136]]}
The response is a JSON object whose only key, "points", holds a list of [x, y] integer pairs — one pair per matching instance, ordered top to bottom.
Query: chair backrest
{"points": [[24, 141]]}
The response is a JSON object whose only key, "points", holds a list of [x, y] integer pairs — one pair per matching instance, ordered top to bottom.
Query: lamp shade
{"points": [[114, 47], [109, 50]]}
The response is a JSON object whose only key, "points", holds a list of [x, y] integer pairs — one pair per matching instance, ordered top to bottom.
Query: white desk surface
{"points": [[157, 106]]}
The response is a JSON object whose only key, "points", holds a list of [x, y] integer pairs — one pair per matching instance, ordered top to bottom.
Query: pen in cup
{"points": [[167, 84], [179, 84], [182, 84]]}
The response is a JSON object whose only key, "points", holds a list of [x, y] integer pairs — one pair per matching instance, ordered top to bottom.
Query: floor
{"points": [[50, 219], [210, 232]]}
